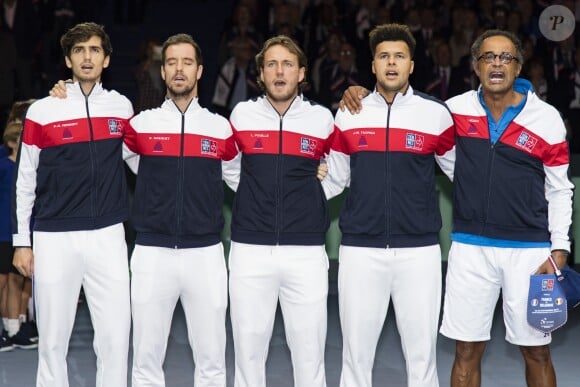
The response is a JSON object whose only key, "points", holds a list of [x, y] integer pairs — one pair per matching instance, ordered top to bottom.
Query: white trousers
{"points": [[97, 261], [162, 276], [475, 276], [259, 277], [367, 279]]}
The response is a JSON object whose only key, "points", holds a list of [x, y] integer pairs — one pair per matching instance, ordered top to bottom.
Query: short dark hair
{"points": [[83, 32], [392, 32], [179, 39], [284, 41], [476, 46]]}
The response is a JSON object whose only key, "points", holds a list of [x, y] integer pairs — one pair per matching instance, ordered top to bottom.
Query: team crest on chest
{"points": [[115, 126], [414, 141], [526, 141], [307, 146], [208, 147]]}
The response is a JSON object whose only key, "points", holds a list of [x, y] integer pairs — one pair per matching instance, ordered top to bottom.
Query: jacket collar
{"points": [[74, 89], [400, 98], [295, 105], [192, 107]]}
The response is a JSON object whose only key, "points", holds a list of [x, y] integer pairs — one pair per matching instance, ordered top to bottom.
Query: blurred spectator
{"points": [[130, 11], [485, 13], [500, 16], [365, 17], [445, 17], [529, 18], [326, 19], [285, 20], [20, 22], [241, 24], [514, 24], [464, 26], [424, 37], [529, 50], [326, 58], [559, 63], [534, 72], [343, 74], [237, 78], [446, 80], [7, 84], [150, 85], [572, 109]]}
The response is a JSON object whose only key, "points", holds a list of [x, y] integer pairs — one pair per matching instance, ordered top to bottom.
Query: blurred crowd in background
{"points": [[333, 34]]}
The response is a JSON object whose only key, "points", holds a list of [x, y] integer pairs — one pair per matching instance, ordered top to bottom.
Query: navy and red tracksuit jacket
{"points": [[386, 154], [70, 168], [179, 194], [279, 200]]}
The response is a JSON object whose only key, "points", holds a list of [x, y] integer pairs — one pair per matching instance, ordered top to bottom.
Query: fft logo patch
{"points": [[115, 126], [414, 141], [526, 141], [307, 146], [208, 147], [548, 284]]}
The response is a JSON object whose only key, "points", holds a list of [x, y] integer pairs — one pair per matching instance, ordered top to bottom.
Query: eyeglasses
{"points": [[345, 53], [504, 57]]}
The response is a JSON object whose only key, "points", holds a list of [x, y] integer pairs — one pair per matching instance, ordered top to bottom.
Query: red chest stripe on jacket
{"points": [[471, 126], [73, 131], [374, 140], [526, 141], [268, 142], [169, 144]]}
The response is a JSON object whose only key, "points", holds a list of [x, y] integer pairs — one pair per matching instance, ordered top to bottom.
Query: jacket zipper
{"points": [[92, 155], [489, 171], [387, 178], [279, 180], [279, 184], [179, 194]]}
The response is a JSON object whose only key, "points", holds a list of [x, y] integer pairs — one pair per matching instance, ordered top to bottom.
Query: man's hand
{"points": [[59, 89], [352, 97], [322, 171], [559, 256], [24, 261]]}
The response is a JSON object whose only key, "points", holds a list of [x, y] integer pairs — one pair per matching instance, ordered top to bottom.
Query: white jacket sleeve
{"points": [[131, 158], [446, 162], [231, 171], [338, 176], [25, 193], [559, 196]]}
